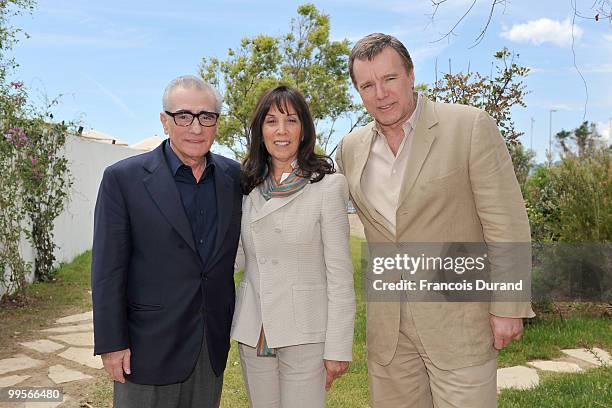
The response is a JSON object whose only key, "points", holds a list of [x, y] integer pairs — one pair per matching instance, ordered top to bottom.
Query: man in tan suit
{"points": [[424, 171]]}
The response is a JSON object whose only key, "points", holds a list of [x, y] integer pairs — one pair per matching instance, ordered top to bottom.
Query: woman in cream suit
{"points": [[295, 308]]}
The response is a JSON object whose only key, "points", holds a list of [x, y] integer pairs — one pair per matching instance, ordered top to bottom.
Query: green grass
{"points": [[47, 301], [543, 339], [591, 389], [102, 393]]}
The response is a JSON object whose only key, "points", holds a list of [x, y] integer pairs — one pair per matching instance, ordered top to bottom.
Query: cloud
{"points": [[543, 31], [421, 54], [605, 68], [540, 70], [116, 99], [564, 107], [605, 131]]}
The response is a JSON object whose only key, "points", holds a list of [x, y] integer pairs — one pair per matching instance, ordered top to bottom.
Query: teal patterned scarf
{"points": [[291, 185]]}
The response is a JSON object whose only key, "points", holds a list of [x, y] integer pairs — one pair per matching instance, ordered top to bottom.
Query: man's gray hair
{"points": [[373, 44], [190, 82]]}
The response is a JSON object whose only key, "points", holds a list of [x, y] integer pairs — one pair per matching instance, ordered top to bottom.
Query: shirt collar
{"points": [[410, 124], [175, 163], [285, 175]]}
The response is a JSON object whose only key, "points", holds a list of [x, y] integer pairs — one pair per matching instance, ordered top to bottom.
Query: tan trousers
{"points": [[295, 378], [411, 380]]}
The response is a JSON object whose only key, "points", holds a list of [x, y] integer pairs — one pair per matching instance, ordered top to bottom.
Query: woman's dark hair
{"points": [[313, 166]]}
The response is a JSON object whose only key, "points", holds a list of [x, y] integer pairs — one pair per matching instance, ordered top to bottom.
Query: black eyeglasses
{"points": [[185, 118]]}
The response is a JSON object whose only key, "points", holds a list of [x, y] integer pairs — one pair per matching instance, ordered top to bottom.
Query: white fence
{"points": [[74, 227]]}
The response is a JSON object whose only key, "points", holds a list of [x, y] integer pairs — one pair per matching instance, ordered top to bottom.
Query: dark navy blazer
{"points": [[151, 292]]}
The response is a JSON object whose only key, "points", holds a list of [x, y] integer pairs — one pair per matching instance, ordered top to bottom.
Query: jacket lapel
{"points": [[424, 137], [360, 159], [162, 188], [264, 208]]}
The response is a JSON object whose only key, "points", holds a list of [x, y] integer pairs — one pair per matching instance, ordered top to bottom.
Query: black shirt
{"points": [[199, 201]]}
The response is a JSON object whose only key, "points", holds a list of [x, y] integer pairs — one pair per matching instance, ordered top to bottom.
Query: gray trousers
{"points": [[202, 390]]}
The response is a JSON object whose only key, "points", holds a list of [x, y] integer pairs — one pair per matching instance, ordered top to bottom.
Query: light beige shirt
{"points": [[383, 174]]}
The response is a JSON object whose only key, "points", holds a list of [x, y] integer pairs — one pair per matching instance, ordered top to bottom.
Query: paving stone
{"points": [[75, 318], [69, 329], [75, 339], [43, 346], [586, 355], [82, 356], [18, 362], [556, 366], [60, 374], [519, 377], [11, 380], [38, 404]]}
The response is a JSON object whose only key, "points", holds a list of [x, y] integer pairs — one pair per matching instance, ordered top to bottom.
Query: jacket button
{"points": [[277, 229], [262, 261]]}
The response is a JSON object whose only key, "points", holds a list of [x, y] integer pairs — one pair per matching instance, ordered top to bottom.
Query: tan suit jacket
{"points": [[459, 186], [298, 279]]}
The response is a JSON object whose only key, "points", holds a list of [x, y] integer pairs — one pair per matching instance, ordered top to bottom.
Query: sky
{"points": [[110, 61]]}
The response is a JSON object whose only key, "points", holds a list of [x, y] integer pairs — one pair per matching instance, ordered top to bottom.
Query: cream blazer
{"points": [[459, 186], [298, 279]]}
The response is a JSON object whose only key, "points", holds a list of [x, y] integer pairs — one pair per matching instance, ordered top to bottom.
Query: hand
{"points": [[505, 329], [117, 362], [334, 369]]}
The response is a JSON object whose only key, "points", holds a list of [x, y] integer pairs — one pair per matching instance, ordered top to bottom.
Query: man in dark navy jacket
{"points": [[166, 231]]}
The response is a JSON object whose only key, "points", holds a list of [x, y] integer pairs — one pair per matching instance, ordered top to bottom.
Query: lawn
{"points": [[68, 294], [543, 338], [591, 389]]}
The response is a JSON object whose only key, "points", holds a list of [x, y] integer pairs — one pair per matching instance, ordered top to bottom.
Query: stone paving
{"points": [[62, 354], [577, 360]]}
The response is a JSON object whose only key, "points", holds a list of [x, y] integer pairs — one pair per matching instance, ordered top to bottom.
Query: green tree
{"points": [[8, 33], [305, 58], [497, 94], [581, 141], [523, 161], [34, 176], [584, 194], [572, 200], [542, 202], [571, 203], [13, 268]]}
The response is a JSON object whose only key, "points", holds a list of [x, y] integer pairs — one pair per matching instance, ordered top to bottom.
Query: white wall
{"points": [[87, 161], [74, 226]]}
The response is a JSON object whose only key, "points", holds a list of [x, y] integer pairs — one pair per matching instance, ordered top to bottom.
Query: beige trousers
{"points": [[295, 378], [411, 380]]}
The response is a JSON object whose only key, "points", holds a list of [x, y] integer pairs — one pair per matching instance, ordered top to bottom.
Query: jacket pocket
{"points": [[143, 307], [310, 308]]}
